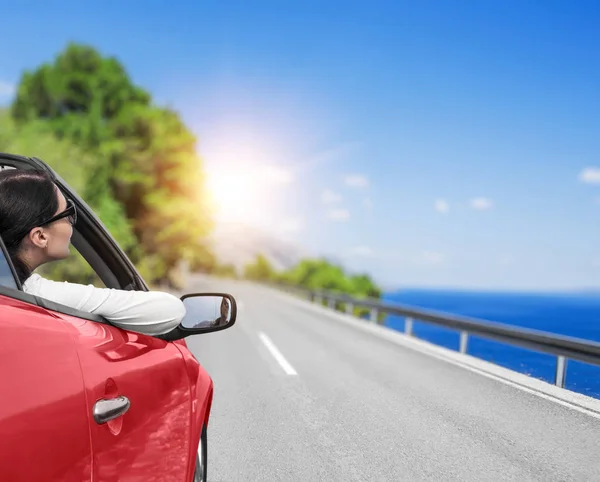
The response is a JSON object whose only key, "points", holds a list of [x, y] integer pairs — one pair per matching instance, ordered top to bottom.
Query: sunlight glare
{"points": [[244, 193]]}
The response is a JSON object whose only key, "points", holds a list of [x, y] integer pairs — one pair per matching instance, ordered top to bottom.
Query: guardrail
{"points": [[563, 347]]}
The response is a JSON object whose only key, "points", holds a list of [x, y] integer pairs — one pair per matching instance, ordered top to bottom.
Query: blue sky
{"points": [[429, 143]]}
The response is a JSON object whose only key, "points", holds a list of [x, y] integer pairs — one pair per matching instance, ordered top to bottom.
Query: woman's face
{"points": [[59, 233], [225, 308]]}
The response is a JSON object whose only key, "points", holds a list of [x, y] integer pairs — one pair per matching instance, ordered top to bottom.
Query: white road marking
{"points": [[287, 368]]}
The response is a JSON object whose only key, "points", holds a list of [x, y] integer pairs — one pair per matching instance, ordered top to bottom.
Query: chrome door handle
{"points": [[107, 410]]}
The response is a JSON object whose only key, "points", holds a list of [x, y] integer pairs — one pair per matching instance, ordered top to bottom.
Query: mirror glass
{"points": [[206, 311]]}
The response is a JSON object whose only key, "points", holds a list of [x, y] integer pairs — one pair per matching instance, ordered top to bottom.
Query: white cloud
{"points": [[7, 89], [329, 155], [276, 175], [590, 175], [357, 181], [330, 197], [367, 203], [481, 203], [441, 206], [338, 214], [291, 226], [361, 251], [433, 258], [506, 260]]}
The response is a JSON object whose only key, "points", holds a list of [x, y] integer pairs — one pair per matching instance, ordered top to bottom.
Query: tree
{"points": [[36, 139], [146, 182], [260, 270], [226, 271], [320, 274], [363, 285]]}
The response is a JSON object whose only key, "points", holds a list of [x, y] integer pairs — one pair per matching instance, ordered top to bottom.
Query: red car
{"points": [[82, 400]]}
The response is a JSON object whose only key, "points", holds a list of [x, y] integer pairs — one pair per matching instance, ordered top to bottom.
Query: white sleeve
{"points": [[147, 312]]}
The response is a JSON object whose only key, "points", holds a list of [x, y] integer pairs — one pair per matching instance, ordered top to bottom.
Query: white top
{"points": [[147, 312]]}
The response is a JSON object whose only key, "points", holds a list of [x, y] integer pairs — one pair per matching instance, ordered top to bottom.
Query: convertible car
{"points": [[82, 400]]}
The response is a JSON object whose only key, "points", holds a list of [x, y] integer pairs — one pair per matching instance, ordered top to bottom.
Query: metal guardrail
{"points": [[563, 347]]}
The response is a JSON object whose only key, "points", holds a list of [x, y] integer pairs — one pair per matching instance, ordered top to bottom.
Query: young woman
{"points": [[36, 224]]}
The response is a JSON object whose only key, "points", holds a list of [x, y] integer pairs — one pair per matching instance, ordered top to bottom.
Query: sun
{"points": [[246, 176], [244, 193]]}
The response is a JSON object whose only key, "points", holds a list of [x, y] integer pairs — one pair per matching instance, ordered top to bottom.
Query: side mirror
{"points": [[208, 312]]}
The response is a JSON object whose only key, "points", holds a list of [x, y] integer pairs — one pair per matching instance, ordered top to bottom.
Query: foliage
{"points": [[136, 163], [260, 270], [225, 271], [319, 274]]}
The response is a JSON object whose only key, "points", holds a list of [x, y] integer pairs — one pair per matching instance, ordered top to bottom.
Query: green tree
{"points": [[146, 183], [260, 270], [226, 271], [320, 274], [363, 285]]}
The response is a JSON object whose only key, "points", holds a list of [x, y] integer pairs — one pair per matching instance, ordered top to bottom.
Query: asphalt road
{"points": [[300, 396]]}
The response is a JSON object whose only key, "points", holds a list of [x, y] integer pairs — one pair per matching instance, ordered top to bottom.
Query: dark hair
{"points": [[27, 198]]}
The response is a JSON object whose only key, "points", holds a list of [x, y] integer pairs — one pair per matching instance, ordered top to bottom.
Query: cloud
{"points": [[7, 89], [329, 155], [276, 175], [590, 175], [357, 181], [330, 197], [481, 203], [441, 206], [338, 214], [291, 226], [361, 251], [433, 258], [506, 260]]}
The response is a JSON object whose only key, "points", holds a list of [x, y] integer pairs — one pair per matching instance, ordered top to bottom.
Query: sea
{"points": [[571, 314]]}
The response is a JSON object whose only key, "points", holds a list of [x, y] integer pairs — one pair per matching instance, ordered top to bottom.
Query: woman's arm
{"points": [[147, 312]]}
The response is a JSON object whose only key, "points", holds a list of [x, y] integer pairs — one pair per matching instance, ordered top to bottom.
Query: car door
{"points": [[143, 380], [44, 427]]}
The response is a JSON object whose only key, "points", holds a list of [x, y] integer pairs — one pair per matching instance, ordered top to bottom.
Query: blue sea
{"points": [[572, 314]]}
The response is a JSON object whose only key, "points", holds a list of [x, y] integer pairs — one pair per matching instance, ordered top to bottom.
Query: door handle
{"points": [[107, 410]]}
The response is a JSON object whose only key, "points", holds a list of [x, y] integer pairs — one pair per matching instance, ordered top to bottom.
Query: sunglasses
{"points": [[70, 213]]}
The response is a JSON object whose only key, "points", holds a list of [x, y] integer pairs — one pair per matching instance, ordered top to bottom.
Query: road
{"points": [[301, 396]]}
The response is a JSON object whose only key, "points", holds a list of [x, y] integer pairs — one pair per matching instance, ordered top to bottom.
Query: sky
{"points": [[434, 144]]}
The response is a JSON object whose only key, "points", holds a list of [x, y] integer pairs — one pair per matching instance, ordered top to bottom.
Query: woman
{"points": [[36, 224], [221, 320]]}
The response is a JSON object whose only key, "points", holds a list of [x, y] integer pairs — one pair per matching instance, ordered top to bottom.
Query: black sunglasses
{"points": [[70, 212]]}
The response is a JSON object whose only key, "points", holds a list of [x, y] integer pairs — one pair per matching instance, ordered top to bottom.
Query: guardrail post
{"points": [[331, 303], [349, 308], [373, 315], [408, 326], [464, 339], [561, 371]]}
